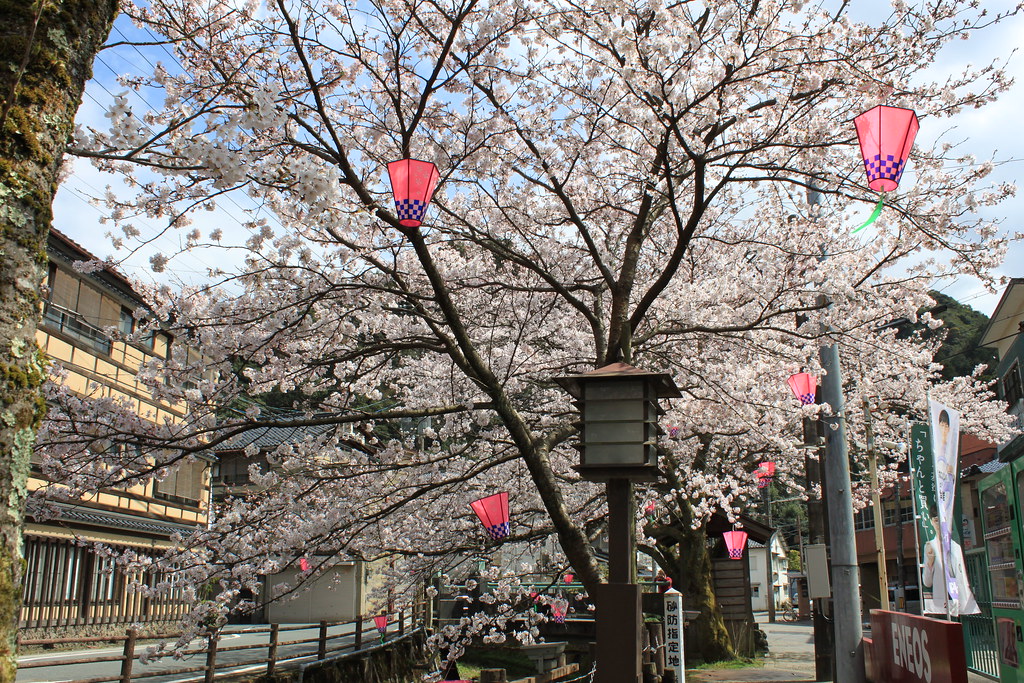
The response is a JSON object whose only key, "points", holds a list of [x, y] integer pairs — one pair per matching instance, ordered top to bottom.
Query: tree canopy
{"points": [[624, 181]]}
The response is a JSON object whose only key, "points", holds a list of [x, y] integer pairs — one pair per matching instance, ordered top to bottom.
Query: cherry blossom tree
{"points": [[622, 181]]}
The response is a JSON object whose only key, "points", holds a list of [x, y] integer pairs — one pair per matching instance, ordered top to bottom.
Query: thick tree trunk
{"points": [[46, 53], [682, 552]]}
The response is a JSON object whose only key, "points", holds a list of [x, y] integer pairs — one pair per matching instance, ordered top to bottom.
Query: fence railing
{"points": [[272, 648]]}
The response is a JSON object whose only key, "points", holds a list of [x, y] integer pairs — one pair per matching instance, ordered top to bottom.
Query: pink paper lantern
{"points": [[886, 136], [412, 184], [804, 386], [765, 472], [650, 507], [493, 514], [735, 542], [303, 564], [569, 577], [559, 607], [381, 622]]}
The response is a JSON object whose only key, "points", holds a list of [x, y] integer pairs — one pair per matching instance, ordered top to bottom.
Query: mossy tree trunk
{"points": [[46, 53]]}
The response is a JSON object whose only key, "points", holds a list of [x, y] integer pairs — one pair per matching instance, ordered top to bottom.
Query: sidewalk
{"points": [[790, 658]]}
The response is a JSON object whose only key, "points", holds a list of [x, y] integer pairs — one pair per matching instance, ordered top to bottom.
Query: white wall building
{"points": [[768, 573]]}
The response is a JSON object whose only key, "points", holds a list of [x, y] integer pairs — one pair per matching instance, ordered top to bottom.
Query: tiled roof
{"points": [[272, 437], [991, 466], [982, 469], [120, 521]]}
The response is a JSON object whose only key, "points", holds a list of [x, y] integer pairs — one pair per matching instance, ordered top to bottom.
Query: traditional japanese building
{"points": [[70, 580]]}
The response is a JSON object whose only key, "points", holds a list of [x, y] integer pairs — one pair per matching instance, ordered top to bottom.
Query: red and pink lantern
{"points": [[886, 136], [412, 184], [804, 387], [765, 472], [493, 514], [735, 542], [303, 564], [569, 577], [559, 608], [381, 622]]}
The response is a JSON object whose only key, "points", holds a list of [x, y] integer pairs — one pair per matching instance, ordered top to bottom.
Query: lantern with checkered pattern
{"points": [[886, 135], [412, 184], [804, 387], [765, 472], [493, 514], [735, 542], [559, 608]]}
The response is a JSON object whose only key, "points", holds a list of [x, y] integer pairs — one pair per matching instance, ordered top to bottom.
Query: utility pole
{"points": [[876, 504], [817, 520], [817, 531], [849, 644]]}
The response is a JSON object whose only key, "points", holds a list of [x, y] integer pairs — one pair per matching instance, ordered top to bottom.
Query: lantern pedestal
{"points": [[618, 617]]}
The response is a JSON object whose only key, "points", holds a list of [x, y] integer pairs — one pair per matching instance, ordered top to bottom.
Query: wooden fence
{"points": [[67, 584], [266, 654]]}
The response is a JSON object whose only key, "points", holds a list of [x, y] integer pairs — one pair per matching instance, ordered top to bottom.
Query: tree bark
{"points": [[46, 54]]}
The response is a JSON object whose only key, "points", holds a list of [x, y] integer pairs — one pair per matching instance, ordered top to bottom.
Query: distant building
{"points": [[899, 530], [769, 573], [995, 573], [66, 582], [341, 589]]}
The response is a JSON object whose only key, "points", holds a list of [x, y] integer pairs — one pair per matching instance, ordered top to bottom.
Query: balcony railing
{"points": [[74, 325]]}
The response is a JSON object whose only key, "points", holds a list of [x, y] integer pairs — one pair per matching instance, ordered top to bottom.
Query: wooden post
{"points": [[401, 621], [359, 632], [321, 649], [272, 650], [129, 656], [211, 657]]}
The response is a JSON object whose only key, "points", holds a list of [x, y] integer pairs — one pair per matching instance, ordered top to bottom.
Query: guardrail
{"points": [[344, 642]]}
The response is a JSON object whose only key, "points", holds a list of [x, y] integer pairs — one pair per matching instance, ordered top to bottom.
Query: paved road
{"points": [[247, 660]]}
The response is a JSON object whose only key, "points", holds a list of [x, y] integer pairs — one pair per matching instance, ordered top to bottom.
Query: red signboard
{"points": [[907, 648]]}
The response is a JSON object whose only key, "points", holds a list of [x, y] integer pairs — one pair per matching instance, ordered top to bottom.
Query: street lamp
{"points": [[618, 445]]}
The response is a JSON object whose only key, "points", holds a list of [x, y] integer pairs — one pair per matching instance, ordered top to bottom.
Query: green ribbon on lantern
{"points": [[874, 214]]}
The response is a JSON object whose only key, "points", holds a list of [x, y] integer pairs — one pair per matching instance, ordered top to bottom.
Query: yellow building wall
{"points": [[92, 374]]}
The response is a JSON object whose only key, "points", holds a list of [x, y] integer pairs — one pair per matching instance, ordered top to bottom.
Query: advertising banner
{"points": [[922, 488], [943, 568], [907, 648]]}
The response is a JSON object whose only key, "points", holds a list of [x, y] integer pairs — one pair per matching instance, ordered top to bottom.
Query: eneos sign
{"points": [[912, 649]]}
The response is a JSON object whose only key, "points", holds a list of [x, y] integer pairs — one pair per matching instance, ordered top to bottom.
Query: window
{"points": [[126, 321], [1012, 391], [233, 468], [185, 483], [906, 510], [864, 519]]}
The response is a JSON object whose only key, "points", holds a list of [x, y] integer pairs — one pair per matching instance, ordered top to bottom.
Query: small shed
{"points": [[732, 580]]}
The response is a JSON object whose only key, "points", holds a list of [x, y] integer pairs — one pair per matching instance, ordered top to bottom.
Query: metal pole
{"points": [[876, 503], [849, 644]]}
